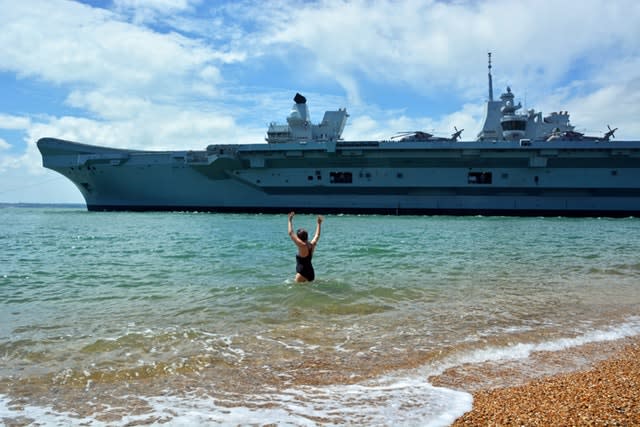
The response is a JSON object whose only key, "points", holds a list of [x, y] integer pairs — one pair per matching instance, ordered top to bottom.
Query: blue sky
{"points": [[182, 74]]}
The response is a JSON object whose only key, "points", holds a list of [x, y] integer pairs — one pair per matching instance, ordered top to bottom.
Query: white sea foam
{"points": [[297, 345], [520, 351], [390, 400], [398, 402], [42, 414]]}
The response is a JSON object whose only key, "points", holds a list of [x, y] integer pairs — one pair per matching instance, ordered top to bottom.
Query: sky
{"points": [[183, 74]]}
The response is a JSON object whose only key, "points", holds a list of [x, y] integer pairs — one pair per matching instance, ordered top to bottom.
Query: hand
{"points": [[291, 215], [320, 219]]}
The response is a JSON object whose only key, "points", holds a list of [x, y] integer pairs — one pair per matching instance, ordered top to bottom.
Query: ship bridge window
{"points": [[514, 125], [341, 177], [480, 178]]}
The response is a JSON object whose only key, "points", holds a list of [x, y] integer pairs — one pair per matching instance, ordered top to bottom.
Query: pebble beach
{"points": [[605, 394]]}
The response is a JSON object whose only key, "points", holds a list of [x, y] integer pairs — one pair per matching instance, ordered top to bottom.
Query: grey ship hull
{"points": [[568, 178]]}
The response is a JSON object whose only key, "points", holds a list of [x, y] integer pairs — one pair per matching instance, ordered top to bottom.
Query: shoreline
{"points": [[606, 392]]}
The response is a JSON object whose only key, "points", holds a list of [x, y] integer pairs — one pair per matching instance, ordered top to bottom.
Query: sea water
{"points": [[194, 318]]}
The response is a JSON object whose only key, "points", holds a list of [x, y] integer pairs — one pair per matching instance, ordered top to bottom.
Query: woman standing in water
{"points": [[304, 269]]}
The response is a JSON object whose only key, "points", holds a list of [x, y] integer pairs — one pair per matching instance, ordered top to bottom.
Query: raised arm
{"points": [[290, 226], [292, 234], [316, 237]]}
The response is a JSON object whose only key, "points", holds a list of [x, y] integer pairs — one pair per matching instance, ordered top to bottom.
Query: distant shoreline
{"points": [[42, 205]]}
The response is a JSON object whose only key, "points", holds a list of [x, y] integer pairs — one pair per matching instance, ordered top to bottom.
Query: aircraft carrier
{"points": [[521, 163]]}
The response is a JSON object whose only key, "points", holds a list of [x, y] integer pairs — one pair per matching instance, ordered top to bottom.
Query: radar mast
{"points": [[490, 80]]}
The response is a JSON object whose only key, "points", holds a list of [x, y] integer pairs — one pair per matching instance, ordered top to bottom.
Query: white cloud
{"points": [[164, 6], [144, 11], [69, 43], [428, 44], [107, 104], [617, 105], [8, 121], [363, 125], [376, 125], [158, 128], [4, 145], [18, 185]]}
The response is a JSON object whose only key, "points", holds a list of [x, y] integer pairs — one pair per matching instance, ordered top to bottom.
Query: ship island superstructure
{"points": [[519, 164]]}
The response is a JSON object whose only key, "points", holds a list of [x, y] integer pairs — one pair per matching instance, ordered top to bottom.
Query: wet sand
{"points": [[605, 394]]}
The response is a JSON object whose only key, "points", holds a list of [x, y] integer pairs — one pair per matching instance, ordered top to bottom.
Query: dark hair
{"points": [[302, 234]]}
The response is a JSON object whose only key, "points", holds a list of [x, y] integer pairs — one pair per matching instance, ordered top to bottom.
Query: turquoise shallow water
{"points": [[194, 318]]}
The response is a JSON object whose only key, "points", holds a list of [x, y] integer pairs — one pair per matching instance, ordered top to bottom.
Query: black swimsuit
{"points": [[304, 267]]}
